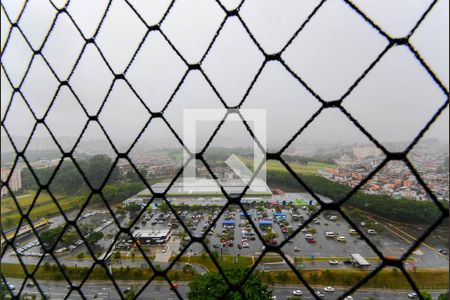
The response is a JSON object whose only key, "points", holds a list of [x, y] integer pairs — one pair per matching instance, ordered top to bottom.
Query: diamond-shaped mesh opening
{"points": [[36, 21], [231, 49], [17, 57], [330, 73], [90, 89], [373, 92], [286, 101], [10, 126], [356, 156], [433, 171]]}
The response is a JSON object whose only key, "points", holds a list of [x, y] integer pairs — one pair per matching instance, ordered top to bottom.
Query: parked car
{"points": [[371, 231], [330, 234], [341, 238], [312, 241], [333, 262], [328, 289], [412, 295]]}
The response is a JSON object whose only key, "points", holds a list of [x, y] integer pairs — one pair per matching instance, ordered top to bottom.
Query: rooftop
{"points": [[189, 187]]}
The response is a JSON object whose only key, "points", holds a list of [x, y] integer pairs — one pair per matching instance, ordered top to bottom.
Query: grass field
{"points": [[310, 168], [44, 207], [387, 278]]}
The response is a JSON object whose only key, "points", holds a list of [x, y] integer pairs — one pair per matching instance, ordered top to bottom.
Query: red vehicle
{"points": [[312, 241], [273, 242]]}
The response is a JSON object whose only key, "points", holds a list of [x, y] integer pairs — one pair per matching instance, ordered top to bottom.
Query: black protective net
{"points": [[35, 53]]}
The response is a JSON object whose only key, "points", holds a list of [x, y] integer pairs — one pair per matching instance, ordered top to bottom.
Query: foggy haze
{"points": [[393, 102]]}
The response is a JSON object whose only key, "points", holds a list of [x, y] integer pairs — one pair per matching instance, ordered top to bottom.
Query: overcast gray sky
{"points": [[393, 102]]}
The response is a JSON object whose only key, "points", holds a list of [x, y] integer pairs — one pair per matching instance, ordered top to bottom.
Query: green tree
{"points": [[97, 168], [134, 177], [133, 208], [270, 235], [50, 236], [70, 236], [94, 237], [117, 255], [282, 276], [211, 285], [130, 294], [426, 295], [443, 296]]}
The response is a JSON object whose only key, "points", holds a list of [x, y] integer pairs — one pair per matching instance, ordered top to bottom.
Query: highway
{"points": [[161, 290]]}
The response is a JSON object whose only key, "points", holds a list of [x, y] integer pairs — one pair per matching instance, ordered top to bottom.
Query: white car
{"points": [[371, 231], [308, 236], [341, 238], [297, 249], [333, 262], [11, 287], [328, 289], [297, 293], [320, 294], [412, 295], [348, 298]]}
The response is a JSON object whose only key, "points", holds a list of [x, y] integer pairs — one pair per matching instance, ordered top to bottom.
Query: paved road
{"points": [[58, 290]]}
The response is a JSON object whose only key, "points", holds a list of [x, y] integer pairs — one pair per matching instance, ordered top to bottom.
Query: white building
{"points": [[362, 152], [15, 181]]}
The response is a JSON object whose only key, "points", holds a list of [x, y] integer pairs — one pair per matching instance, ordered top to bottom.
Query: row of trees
{"points": [[68, 180], [70, 236]]}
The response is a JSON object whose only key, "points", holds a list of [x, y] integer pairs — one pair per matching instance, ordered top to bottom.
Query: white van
{"points": [[330, 234], [308, 236]]}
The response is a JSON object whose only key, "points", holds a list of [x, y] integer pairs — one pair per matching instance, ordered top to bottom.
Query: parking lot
{"points": [[327, 237]]}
